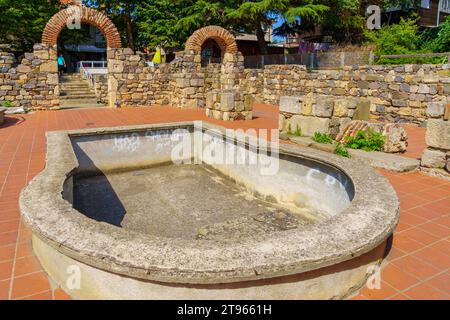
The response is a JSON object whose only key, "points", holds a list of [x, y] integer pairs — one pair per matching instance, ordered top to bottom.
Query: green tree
{"points": [[123, 13], [252, 16], [22, 22], [168, 23], [401, 38], [441, 43]]}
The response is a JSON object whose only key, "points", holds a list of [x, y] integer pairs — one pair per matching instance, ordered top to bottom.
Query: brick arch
{"points": [[89, 16], [223, 37]]}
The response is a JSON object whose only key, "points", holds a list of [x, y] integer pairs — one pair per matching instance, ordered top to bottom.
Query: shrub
{"points": [[401, 38], [441, 41], [322, 138], [367, 141], [342, 151]]}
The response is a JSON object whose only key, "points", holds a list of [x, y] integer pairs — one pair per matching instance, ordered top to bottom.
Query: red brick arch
{"points": [[88, 15], [223, 37]]}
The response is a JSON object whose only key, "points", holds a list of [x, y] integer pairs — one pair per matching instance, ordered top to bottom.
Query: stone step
{"points": [[71, 76], [75, 80], [75, 87], [67, 92], [78, 96], [84, 103]]}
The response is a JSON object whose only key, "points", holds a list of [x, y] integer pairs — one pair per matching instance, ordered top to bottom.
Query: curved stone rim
{"points": [[370, 220]]}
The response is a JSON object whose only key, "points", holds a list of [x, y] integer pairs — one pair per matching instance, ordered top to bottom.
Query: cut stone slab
{"points": [[290, 104], [436, 109], [362, 110], [309, 125], [438, 134], [433, 159], [385, 161]]}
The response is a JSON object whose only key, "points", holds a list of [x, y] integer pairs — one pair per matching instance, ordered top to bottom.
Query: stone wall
{"points": [[132, 82], [34, 83], [100, 85], [395, 92], [313, 113], [436, 158]]}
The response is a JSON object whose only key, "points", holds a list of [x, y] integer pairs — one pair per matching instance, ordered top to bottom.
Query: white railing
{"points": [[92, 64], [88, 69]]}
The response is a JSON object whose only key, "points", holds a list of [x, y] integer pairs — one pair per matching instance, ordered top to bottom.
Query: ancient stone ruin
{"points": [[436, 158]]}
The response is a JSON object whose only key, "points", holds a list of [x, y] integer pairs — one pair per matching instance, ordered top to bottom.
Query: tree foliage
{"points": [[123, 13], [22, 22], [441, 43]]}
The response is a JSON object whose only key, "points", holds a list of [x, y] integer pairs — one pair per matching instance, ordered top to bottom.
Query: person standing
{"points": [[61, 64]]}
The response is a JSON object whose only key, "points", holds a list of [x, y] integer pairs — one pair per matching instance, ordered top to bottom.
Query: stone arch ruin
{"points": [[85, 15], [223, 37]]}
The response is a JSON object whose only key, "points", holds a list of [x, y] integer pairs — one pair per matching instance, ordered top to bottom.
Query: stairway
{"points": [[76, 93]]}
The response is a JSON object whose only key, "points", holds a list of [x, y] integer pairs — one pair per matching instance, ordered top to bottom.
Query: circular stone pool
{"points": [[114, 211]]}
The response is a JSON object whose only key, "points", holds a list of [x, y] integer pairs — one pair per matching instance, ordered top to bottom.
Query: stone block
{"points": [[42, 54], [49, 66], [115, 66], [23, 69], [52, 79], [183, 82], [423, 89], [137, 96], [211, 98], [249, 100], [227, 101], [399, 103], [290, 104], [307, 106], [324, 107], [340, 108], [436, 109], [362, 110], [309, 125], [438, 134], [396, 138], [434, 159]]}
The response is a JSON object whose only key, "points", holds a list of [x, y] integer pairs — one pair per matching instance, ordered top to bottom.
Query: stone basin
{"points": [[112, 205]]}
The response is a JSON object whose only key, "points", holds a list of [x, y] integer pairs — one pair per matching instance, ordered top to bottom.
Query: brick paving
{"points": [[417, 267]]}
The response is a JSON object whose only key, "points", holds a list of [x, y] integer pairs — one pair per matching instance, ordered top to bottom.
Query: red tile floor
{"points": [[418, 266]]}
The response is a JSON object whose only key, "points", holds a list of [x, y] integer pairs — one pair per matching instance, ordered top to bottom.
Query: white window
{"points": [[425, 4], [445, 6]]}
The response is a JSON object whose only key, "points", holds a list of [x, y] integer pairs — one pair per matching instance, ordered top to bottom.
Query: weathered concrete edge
{"points": [[371, 218]]}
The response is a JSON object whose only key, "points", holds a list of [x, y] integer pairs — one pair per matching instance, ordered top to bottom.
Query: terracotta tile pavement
{"points": [[417, 267]]}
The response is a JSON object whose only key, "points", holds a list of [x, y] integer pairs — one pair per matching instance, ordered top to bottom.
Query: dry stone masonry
{"points": [[34, 83], [393, 93], [317, 113], [436, 158]]}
